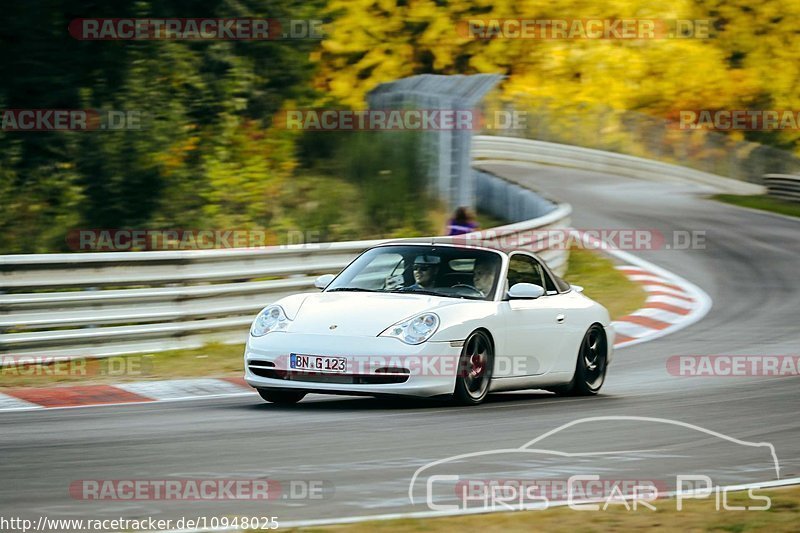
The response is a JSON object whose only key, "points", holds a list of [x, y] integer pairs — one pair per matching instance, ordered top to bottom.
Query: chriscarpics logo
{"points": [[572, 465]]}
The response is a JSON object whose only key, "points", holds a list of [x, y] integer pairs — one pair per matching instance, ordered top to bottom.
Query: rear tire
{"points": [[590, 368], [474, 369], [281, 397]]}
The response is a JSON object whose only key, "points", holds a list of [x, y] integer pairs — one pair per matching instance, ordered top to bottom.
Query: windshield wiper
{"points": [[352, 289], [405, 290], [420, 291], [434, 293]]}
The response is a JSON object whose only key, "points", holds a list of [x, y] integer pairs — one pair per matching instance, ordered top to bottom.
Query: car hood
{"points": [[358, 314]]}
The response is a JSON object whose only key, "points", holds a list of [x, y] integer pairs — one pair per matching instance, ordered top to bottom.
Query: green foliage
{"points": [[204, 156], [208, 156], [388, 169], [322, 208], [604, 283]]}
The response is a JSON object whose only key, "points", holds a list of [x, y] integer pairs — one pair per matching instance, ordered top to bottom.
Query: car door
{"points": [[534, 326]]}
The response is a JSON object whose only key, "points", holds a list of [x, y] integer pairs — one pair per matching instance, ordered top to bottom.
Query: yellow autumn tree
{"points": [[749, 60]]}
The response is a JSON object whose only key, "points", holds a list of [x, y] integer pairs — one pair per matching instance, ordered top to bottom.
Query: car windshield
{"points": [[435, 270]]}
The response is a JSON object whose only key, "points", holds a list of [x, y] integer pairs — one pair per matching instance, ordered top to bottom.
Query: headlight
{"points": [[271, 318], [415, 330]]}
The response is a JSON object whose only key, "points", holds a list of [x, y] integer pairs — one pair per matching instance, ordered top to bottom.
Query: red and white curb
{"points": [[672, 303], [668, 307], [28, 398]]}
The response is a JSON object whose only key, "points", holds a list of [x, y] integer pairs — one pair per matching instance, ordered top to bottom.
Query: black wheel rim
{"points": [[593, 352], [475, 365]]}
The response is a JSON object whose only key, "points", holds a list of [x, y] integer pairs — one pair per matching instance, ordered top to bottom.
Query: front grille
{"points": [[256, 362], [379, 378]]}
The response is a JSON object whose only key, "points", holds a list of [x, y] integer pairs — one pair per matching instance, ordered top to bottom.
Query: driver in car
{"points": [[425, 269]]}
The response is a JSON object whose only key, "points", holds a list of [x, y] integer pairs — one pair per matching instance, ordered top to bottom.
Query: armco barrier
{"points": [[489, 148], [783, 186], [508, 201], [95, 304]]}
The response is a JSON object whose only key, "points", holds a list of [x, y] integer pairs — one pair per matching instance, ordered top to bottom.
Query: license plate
{"points": [[318, 363]]}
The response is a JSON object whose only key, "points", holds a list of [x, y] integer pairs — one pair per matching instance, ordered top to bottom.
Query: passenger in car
{"points": [[483, 274]]}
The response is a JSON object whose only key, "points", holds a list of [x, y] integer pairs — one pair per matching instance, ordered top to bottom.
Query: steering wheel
{"points": [[477, 291]]}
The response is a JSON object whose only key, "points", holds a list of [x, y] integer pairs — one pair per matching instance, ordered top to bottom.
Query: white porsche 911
{"points": [[431, 320]]}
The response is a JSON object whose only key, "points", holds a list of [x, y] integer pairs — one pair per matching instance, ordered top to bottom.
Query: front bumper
{"points": [[375, 365]]}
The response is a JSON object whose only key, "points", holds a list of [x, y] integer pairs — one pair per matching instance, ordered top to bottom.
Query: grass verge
{"points": [[761, 202], [595, 272], [604, 283], [212, 360], [697, 515]]}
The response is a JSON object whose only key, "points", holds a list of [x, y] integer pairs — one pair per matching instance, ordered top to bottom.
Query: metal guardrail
{"points": [[602, 127], [488, 148], [445, 152], [783, 186], [508, 201], [96, 304]]}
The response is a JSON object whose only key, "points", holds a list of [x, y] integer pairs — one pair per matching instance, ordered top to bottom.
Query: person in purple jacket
{"points": [[461, 223]]}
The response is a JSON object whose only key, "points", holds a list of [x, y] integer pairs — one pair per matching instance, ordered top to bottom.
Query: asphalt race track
{"points": [[366, 450]]}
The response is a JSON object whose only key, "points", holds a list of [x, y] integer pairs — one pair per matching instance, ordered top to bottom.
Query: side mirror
{"points": [[323, 281], [576, 288], [525, 291]]}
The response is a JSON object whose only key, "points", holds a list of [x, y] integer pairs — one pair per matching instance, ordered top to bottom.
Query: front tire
{"points": [[475, 367], [590, 368], [281, 397]]}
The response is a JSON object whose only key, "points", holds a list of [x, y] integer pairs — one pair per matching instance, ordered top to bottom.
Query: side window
{"points": [[524, 269]]}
